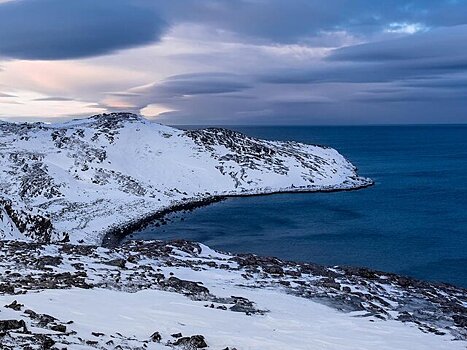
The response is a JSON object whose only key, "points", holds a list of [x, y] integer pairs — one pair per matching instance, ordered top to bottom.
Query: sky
{"points": [[245, 62]]}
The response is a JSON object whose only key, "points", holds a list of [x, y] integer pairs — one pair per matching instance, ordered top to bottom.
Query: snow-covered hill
{"points": [[81, 179]]}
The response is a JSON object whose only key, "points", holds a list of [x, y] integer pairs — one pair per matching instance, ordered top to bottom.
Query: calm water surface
{"points": [[413, 221]]}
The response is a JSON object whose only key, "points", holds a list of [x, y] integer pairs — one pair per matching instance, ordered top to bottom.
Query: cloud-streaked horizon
{"points": [[236, 61]]}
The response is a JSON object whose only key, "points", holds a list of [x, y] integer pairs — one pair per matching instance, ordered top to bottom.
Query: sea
{"points": [[413, 221]]}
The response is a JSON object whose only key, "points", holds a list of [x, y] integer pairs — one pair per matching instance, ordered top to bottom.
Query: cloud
{"points": [[299, 20], [57, 29], [441, 43], [420, 56], [274, 61], [77, 79], [456, 82], [201, 84], [342, 87], [182, 91], [2, 94], [404, 96], [52, 98], [29, 105]]}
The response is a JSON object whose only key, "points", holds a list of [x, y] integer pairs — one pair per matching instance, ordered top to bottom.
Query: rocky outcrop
{"points": [[28, 223]]}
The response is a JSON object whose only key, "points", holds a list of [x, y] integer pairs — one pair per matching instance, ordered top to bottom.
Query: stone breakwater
{"points": [[202, 276]]}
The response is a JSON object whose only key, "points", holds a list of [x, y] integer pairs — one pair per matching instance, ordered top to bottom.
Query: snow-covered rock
{"points": [[84, 178]]}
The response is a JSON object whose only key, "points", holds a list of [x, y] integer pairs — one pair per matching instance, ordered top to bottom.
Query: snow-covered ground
{"points": [[84, 178], [82, 297], [292, 323]]}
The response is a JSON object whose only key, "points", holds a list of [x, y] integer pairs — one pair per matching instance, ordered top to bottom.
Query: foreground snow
{"points": [[81, 179], [139, 295], [292, 323]]}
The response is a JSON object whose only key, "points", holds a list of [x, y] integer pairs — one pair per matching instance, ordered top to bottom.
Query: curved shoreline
{"points": [[114, 236]]}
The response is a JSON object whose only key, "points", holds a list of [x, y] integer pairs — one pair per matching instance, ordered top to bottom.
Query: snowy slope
{"points": [[82, 178], [84, 297]]}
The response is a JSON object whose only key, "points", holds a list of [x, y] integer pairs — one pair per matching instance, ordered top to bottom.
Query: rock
{"points": [[133, 259], [48, 260], [117, 262], [273, 270], [293, 273], [330, 283], [185, 286], [7, 289], [244, 305], [15, 306], [31, 314], [404, 316], [45, 319], [460, 321], [8, 325], [59, 328], [177, 335], [156, 337], [46, 342], [194, 342]]}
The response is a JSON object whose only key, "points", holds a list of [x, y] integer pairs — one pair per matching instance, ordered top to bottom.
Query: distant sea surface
{"points": [[412, 222]]}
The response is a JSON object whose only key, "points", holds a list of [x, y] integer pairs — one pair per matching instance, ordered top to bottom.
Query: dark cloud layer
{"points": [[289, 21], [58, 29], [433, 45], [420, 56], [410, 65], [419, 78], [201, 84]]}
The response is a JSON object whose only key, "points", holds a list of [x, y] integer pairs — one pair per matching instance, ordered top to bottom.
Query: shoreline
{"points": [[113, 237]]}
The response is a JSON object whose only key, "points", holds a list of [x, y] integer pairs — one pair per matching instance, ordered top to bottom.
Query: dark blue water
{"points": [[413, 221]]}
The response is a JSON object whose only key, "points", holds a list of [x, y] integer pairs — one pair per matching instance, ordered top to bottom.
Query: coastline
{"points": [[115, 235], [114, 238]]}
